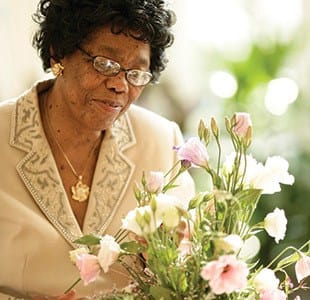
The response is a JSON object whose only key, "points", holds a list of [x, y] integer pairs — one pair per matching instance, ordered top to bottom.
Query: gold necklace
{"points": [[80, 191]]}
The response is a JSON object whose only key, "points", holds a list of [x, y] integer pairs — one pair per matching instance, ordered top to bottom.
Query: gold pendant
{"points": [[80, 191]]}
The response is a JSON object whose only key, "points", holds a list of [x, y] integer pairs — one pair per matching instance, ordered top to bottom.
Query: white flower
{"points": [[274, 173], [265, 177], [155, 182], [164, 201], [171, 217], [141, 221], [275, 224], [229, 243], [250, 248], [108, 253], [265, 280]]}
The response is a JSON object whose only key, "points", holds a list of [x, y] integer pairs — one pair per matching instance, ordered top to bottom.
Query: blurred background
{"points": [[228, 56]]}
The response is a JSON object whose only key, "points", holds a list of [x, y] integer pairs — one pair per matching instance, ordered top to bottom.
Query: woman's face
{"points": [[92, 100]]}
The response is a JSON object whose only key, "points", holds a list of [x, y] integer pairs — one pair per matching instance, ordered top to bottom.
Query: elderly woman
{"points": [[73, 146]]}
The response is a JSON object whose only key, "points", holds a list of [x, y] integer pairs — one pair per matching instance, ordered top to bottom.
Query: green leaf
{"points": [[249, 196], [88, 240], [132, 247], [160, 293]]}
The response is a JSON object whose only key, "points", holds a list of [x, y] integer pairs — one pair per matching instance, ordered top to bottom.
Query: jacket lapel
{"points": [[39, 172], [112, 176]]}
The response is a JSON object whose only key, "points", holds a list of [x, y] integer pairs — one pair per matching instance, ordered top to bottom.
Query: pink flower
{"points": [[243, 122], [193, 151], [155, 182], [185, 247], [88, 266], [302, 268], [226, 274], [274, 294]]}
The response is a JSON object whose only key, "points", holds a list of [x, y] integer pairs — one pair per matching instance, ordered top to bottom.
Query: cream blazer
{"points": [[37, 225]]}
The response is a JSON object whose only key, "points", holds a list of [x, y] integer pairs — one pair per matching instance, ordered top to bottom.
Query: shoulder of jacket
{"points": [[146, 116]]}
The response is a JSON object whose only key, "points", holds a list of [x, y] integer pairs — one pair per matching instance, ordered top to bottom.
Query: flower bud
{"points": [[242, 122], [214, 127], [201, 129], [154, 182]]}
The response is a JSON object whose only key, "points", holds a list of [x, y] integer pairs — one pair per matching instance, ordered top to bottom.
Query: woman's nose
{"points": [[118, 83]]}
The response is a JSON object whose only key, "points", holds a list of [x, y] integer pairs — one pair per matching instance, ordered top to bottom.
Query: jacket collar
{"points": [[39, 172]]}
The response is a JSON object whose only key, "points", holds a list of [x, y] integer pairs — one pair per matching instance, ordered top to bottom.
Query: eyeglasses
{"points": [[111, 68]]}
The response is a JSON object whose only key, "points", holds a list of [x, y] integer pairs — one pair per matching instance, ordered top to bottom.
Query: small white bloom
{"points": [[274, 172], [265, 177], [155, 182], [164, 201], [171, 217], [136, 222], [275, 224], [229, 243], [250, 248], [108, 252], [73, 254], [265, 280]]}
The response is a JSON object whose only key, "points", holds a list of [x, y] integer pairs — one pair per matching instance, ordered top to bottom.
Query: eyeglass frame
{"points": [[121, 69]]}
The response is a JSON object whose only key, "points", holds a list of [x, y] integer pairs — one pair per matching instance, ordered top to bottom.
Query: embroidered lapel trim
{"points": [[113, 173], [40, 175]]}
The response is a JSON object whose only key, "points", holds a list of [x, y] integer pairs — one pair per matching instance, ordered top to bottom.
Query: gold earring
{"points": [[57, 69]]}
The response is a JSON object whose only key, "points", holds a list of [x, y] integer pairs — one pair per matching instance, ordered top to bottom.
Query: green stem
{"points": [[72, 286]]}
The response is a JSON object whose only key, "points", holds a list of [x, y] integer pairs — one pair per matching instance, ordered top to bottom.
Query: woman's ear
{"points": [[56, 66]]}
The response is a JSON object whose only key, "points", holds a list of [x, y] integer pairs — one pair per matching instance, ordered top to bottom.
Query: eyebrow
{"points": [[138, 60]]}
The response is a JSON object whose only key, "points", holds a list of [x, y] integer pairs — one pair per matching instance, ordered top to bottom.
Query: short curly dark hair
{"points": [[65, 24]]}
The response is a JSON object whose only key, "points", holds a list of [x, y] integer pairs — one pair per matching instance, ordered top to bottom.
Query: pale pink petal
{"points": [[243, 122], [193, 151], [185, 247], [88, 266], [302, 268], [225, 275], [274, 294]]}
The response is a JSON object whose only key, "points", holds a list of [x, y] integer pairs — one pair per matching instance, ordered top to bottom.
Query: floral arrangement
{"points": [[208, 249]]}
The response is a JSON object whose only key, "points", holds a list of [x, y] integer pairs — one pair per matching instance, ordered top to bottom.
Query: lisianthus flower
{"points": [[243, 122], [193, 151], [253, 171], [275, 172], [265, 177], [155, 182], [164, 201], [167, 209], [171, 217], [141, 221], [275, 224], [229, 243], [185, 247], [249, 248], [108, 252], [73, 254], [89, 267], [302, 268], [225, 275], [265, 280], [274, 294]]}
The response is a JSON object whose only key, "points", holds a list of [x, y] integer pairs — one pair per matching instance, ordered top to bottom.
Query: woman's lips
{"points": [[107, 105]]}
